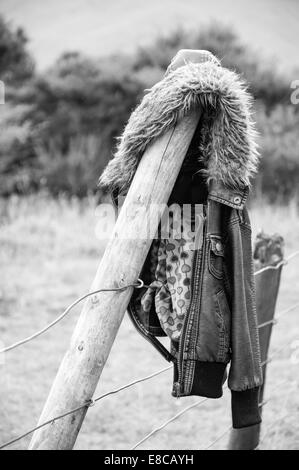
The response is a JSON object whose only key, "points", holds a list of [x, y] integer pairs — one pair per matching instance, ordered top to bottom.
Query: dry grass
{"points": [[48, 255]]}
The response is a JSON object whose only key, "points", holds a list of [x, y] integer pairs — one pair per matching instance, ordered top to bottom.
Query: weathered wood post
{"points": [[268, 252], [121, 264]]}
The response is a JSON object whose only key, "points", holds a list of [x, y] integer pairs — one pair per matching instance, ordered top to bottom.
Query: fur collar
{"points": [[227, 150]]}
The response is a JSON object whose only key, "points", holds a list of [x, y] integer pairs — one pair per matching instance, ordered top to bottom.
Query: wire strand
{"points": [[278, 265], [139, 285], [287, 310], [65, 313], [275, 320], [274, 354], [292, 384], [92, 402], [85, 405], [261, 405], [169, 421], [166, 423], [157, 429], [227, 430], [218, 438]]}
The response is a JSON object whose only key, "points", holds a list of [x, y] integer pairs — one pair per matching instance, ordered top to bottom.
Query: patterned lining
{"points": [[171, 267]]}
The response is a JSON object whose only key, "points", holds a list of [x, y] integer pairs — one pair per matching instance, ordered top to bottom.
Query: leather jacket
{"points": [[220, 326]]}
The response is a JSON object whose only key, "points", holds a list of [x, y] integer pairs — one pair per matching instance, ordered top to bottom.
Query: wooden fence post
{"points": [[268, 251], [121, 264]]}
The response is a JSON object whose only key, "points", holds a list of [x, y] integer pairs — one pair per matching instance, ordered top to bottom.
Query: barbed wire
{"points": [[278, 265], [139, 285], [67, 311], [275, 320], [274, 354], [291, 384], [92, 402], [200, 402], [88, 404], [261, 405], [185, 410], [166, 423], [218, 438]]}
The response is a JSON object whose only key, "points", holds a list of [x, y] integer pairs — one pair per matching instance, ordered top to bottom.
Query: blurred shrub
{"points": [[16, 65], [265, 82], [80, 96], [75, 110], [59, 130], [16, 150], [73, 171], [279, 172]]}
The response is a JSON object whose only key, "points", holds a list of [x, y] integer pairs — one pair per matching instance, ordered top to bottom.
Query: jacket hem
{"points": [[208, 379]]}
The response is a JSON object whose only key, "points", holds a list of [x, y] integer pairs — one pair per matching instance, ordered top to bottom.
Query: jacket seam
{"points": [[226, 202]]}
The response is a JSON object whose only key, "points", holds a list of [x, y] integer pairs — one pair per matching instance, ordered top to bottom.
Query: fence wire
{"points": [[278, 265], [137, 285], [275, 320], [293, 383], [94, 401], [90, 403], [198, 403], [85, 405], [261, 405], [166, 423], [224, 433]]}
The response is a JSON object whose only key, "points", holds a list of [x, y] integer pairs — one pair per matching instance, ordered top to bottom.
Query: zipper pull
{"points": [[176, 390]]}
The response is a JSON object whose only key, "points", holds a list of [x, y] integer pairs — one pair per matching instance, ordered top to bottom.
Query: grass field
{"points": [[48, 256]]}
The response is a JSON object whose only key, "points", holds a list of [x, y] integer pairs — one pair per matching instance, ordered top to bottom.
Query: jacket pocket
{"points": [[215, 256], [223, 320]]}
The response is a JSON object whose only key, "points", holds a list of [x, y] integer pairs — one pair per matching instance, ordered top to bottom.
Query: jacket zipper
{"points": [[197, 265]]}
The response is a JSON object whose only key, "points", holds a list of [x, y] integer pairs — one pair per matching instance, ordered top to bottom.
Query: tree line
{"points": [[59, 127]]}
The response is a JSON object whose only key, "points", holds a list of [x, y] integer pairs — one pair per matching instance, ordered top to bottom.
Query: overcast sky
{"points": [[99, 27]]}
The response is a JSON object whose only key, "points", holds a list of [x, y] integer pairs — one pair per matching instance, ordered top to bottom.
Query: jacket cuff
{"points": [[235, 198], [245, 408]]}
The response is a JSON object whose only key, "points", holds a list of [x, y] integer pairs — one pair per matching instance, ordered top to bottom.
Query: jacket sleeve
{"points": [[245, 375]]}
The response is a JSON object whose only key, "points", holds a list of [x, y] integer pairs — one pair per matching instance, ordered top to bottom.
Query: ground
{"points": [[48, 256]]}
